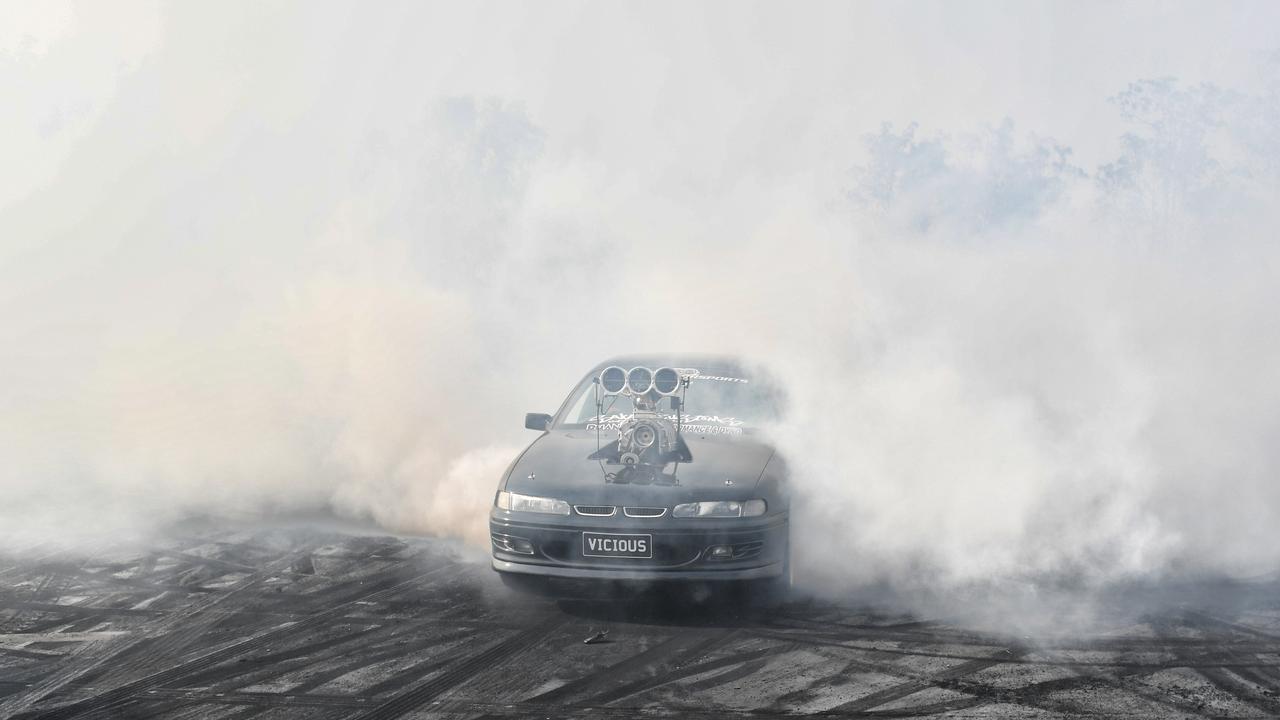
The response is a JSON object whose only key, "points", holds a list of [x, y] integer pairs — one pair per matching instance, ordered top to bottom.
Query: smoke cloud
{"points": [[1017, 265]]}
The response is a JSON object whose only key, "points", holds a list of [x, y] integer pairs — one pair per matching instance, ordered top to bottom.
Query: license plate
{"points": [[617, 546]]}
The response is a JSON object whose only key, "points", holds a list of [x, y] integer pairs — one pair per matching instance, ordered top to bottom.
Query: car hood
{"points": [[556, 465]]}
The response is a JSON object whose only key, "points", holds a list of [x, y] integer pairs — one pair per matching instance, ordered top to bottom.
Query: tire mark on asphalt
{"points": [[302, 559], [193, 560], [304, 565], [106, 577], [42, 589], [77, 610], [89, 611], [1204, 619], [900, 632], [166, 640], [1118, 645], [673, 652], [30, 654], [380, 654], [1207, 661], [181, 668], [746, 669], [250, 671], [666, 671], [462, 672], [409, 675], [673, 675], [1266, 677], [1123, 678], [1126, 678], [833, 679], [1236, 680], [595, 682], [9, 687], [911, 687], [1240, 689], [983, 693], [1084, 693], [1033, 695], [178, 697], [265, 702]]}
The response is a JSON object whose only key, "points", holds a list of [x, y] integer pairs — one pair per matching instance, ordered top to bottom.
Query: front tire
{"points": [[778, 590]]}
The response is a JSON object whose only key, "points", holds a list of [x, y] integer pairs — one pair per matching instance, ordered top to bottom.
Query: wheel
{"points": [[786, 580], [779, 588]]}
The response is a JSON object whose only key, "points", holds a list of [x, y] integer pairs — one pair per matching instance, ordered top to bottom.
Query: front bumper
{"points": [[680, 548]]}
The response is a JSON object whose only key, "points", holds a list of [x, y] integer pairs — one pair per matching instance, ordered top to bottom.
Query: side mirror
{"points": [[537, 421]]}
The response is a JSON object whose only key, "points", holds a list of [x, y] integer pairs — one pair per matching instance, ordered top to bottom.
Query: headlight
{"points": [[530, 503], [720, 509]]}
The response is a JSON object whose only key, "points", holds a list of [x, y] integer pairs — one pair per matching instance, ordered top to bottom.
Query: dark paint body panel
{"points": [[558, 461]]}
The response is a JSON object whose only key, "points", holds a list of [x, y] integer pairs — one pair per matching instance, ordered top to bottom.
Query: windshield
{"points": [[714, 399]]}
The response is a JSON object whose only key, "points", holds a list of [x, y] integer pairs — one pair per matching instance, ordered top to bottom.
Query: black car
{"points": [[654, 468]]}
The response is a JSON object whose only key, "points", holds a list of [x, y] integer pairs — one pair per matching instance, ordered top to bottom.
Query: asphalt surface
{"points": [[303, 622]]}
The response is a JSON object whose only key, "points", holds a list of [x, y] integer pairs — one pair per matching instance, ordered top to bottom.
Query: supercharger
{"points": [[649, 439]]}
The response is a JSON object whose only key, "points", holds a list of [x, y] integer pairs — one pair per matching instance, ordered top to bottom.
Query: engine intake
{"points": [[647, 439]]}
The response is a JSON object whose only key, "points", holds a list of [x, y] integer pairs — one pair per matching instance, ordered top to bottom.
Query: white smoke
{"points": [[257, 261]]}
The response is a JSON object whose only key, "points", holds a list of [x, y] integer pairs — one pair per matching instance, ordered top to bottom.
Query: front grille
{"points": [[596, 510], [644, 512]]}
